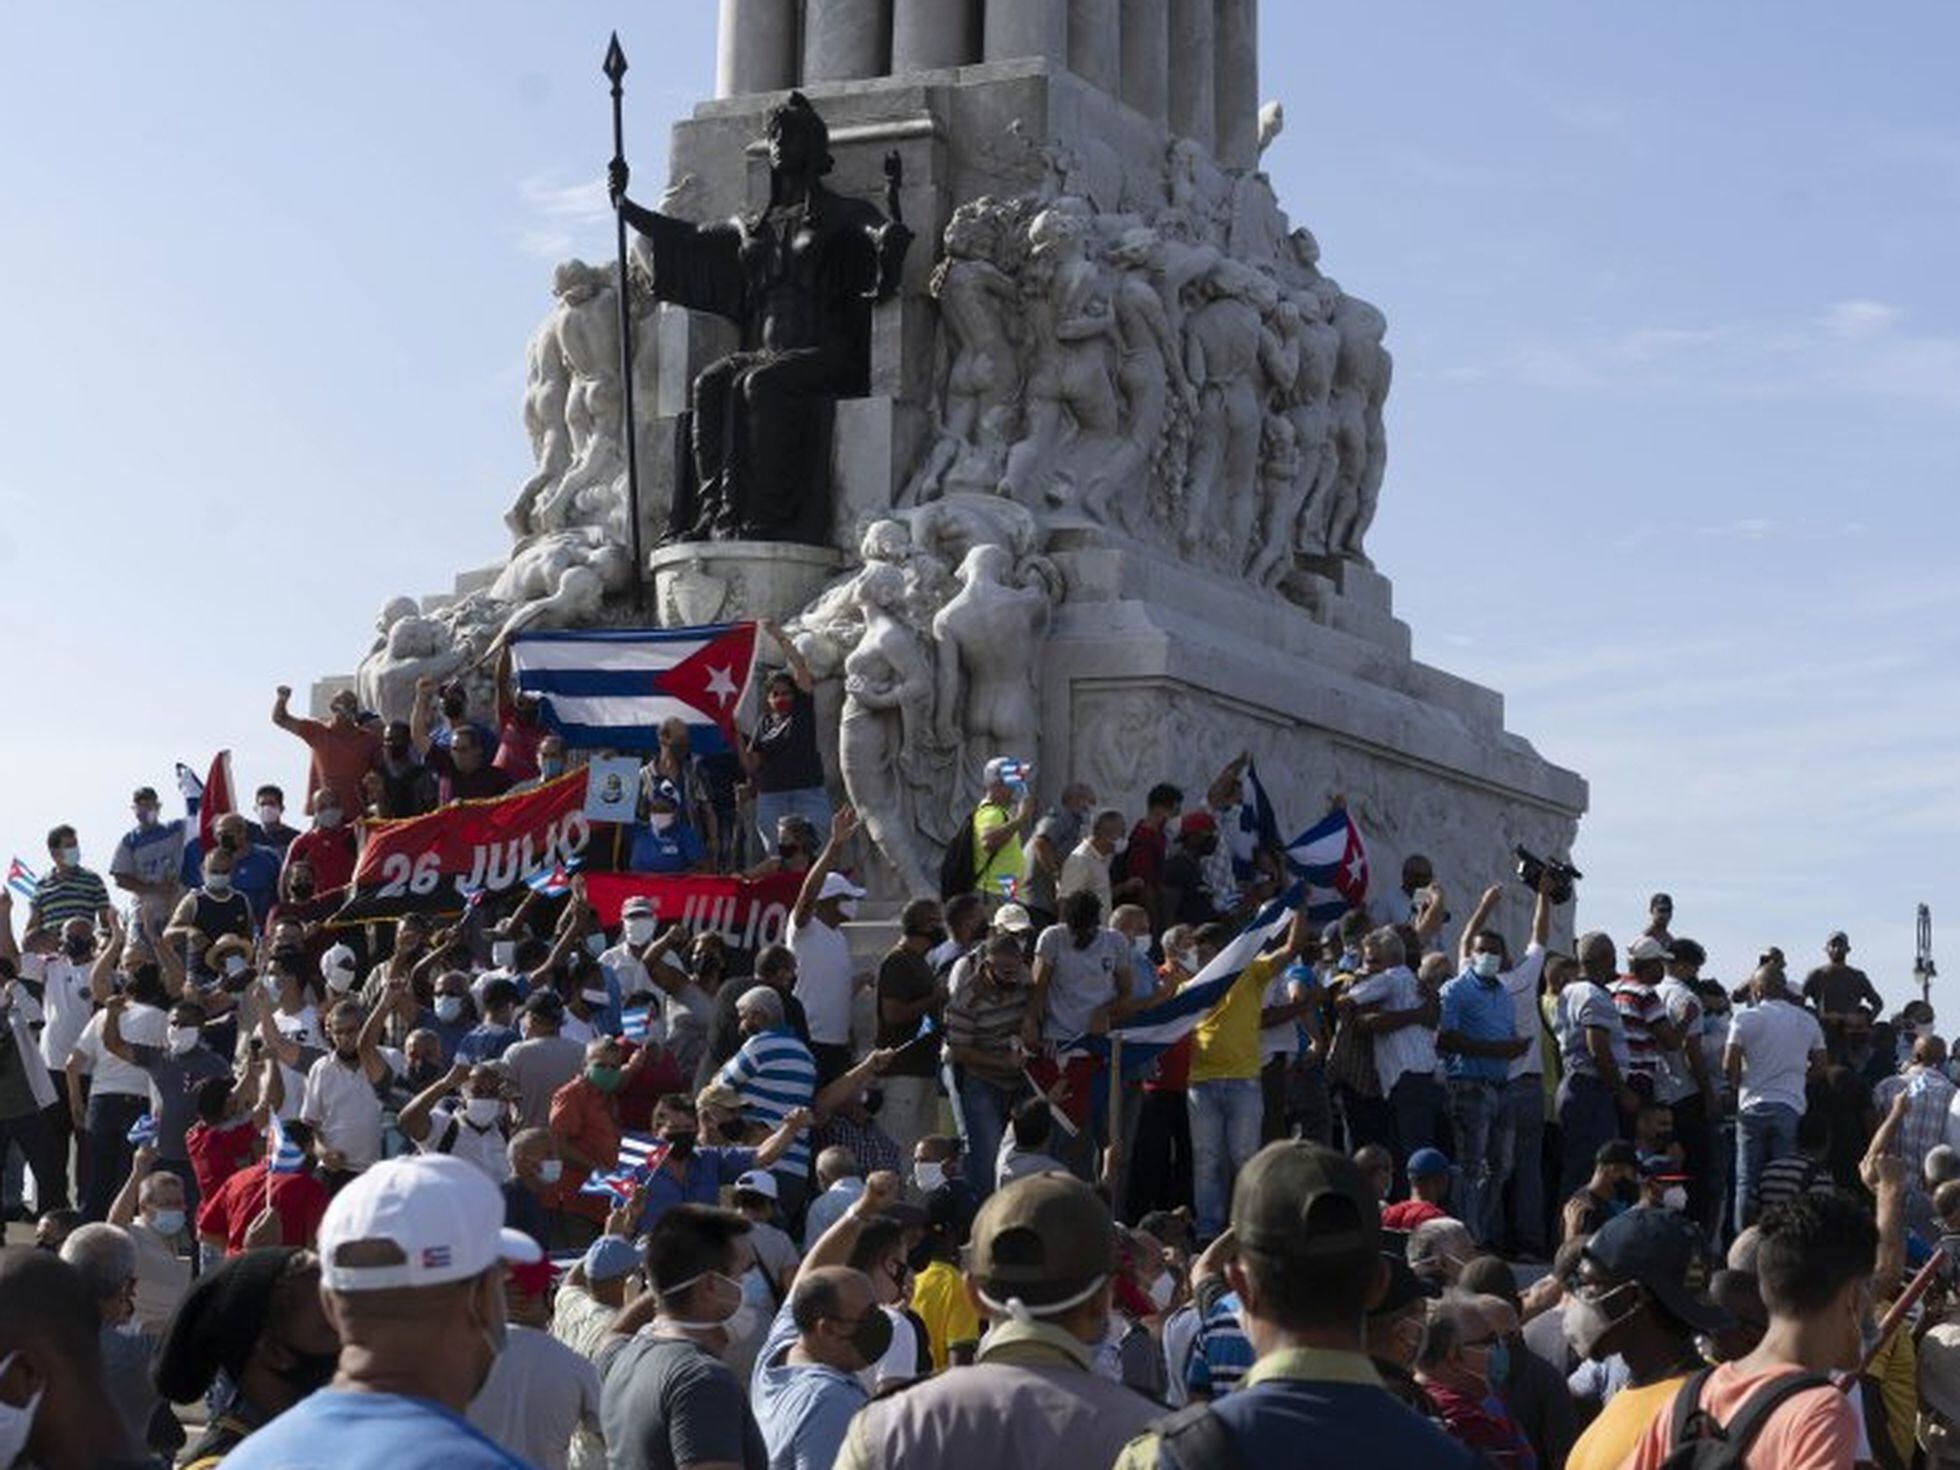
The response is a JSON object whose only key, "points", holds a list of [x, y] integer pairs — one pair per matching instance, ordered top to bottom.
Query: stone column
{"points": [[1019, 28], [929, 34], [845, 39], [1095, 42], [755, 50], [1146, 57], [1191, 67], [1236, 83]]}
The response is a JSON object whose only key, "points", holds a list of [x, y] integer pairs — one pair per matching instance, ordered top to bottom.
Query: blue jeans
{"points": [[811, 803], [1415, 1101], [984, 1110], [109, 1117], [1588, 1117], [1475, 1118], [1225, 1120], [1765, 1132], [1517, 1144]]}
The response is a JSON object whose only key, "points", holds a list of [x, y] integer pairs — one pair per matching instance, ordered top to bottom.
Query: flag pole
{"points": [[615, 69], [1115, 1138]]}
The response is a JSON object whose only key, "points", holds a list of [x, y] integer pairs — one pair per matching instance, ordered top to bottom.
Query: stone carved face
{"points": [[881, 586], [393, 611], [416, 637]]}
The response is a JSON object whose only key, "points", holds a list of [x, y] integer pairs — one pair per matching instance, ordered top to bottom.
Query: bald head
{"points": [[1597, 955]]}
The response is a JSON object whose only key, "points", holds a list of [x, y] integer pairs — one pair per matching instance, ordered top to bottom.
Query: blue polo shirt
{"points": [[674, 851], [1477, 1010], [708, 1169]]}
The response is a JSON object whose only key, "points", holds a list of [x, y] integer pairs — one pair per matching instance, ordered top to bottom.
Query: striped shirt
{"points": [[64, 894], [1640, 1006], [987, 1018], [775, 1075], [1929, 1101], [1782, 1180], [1221, 1353]]}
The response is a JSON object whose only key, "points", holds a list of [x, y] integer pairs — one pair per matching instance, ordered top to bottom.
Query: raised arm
{"points": [[799, 667], [281, 716], [421, 716], [842, 824], [1479, 917], [9, 946], [102, 974], [843, 1089], [414, 1118], [777, 1144], [122, 1209], [833, 1247]]}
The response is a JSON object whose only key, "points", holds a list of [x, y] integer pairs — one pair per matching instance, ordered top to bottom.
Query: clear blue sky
{"points": [[1670, 289]]}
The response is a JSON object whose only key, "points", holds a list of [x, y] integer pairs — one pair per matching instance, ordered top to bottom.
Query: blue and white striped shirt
{"points": [[775, 1074]]}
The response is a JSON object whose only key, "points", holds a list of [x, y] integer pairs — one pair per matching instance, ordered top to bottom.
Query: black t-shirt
{"points": [[788, 747], [1194, 900], [904, 976], [1840, 990], [725, 1030]]}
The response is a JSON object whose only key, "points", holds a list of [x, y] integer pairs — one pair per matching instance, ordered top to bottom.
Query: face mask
{"points": [[781, 704], [551, 767], [269, 814], [329, 816], [661, 821], [228, 843], [1122, 846], [70, 857], [218, 883], [300, 888], [847, 907], [639, 931], [1141, 944], [595, 945], [78, 949], [502, 953], [1187, 959], [235, 965], [1486, 965], [340, 981], [268, 983], [595, 997], [449, 1007], [183, 1040], [421, 1074], [606, 1079], [483, 1111], [681, 1145], [551, 1171], [928, 1175], [1626, 1191], [1674, 1197], [167, 1222], [1162, 1290], [1589, 1319], [747, 1321], [705, 1324], [872, 1337], [1497, 1367], [16, 1421]]}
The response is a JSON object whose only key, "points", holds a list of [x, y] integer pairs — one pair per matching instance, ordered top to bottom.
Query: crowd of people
{"points": [[519, 1186]]}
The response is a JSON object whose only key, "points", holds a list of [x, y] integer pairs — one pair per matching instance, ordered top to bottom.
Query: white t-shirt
{"points": [[631, 972], [823, 979], [1081, 979], [1520, 982], [65, 1003], [302, 1026], [1776, 1039], [1282, 1040], [1407, 1048], [109, 1073], [1675, 1080], [345, 1109], [487, 1148], [538, 1395]]}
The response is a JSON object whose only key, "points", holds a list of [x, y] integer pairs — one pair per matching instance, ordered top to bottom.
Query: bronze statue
{"points": [[799, 279]]}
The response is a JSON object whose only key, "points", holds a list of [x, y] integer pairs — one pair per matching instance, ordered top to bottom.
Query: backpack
{"points": [[956, 870], [1195, 1438], [1699, 1443]]}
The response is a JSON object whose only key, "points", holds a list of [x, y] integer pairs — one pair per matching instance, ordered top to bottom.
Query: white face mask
{"points": [[269, 814], [329, 817], [661, 821], [1122, 846], [71, 857], [218, 883], [847, 908], [639, 931], [1141, 944], [595, 945], [502, 952], [1187, 959], [235, 965], [1487, 965], [340, 981], [595, 997], [449, 1007], [183, 1040], [483, 1111], [551, 1171], [928, 1174], [1674, 1197], [167, 1222], [1162, 1290], [16, 1421]]}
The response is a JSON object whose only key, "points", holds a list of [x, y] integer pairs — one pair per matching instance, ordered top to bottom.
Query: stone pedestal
{"points": [[726, 581]]}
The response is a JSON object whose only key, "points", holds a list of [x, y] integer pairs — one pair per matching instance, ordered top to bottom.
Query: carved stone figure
{"points": [[799, 279], [978, 305], [588, 338], [1224, 341], [1149, 372], [547, 383], [1360, 386], [1296, 508], [989, 638], [411, 647], [885, 736]]}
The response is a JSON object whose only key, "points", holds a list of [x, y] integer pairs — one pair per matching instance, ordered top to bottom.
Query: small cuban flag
{"points": [[1256, 827], [1332, 858], [21, 879], [553, 882], [633, 1024], [143, 1130], [282, 1155], [639, 1155]]}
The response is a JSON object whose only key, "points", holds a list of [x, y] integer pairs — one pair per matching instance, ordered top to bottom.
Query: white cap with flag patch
{"points": [[422, 1220]]}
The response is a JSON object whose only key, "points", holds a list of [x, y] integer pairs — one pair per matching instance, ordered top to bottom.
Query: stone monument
{"points": [[1084, 477]]}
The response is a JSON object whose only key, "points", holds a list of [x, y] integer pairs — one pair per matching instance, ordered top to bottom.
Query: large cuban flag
{"points": [[611, 688], [1255, 828], [1332, 859], [1149, 1032]]}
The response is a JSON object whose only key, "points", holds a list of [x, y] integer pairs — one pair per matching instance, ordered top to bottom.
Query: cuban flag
{"points": [[611, 688], [217, 798], [1255, 828], [1333, 860], [21, 879], [552, 882], [633, 1024], [1150, 1032], [143, 1130], [282, 1155], [639, 1155]]}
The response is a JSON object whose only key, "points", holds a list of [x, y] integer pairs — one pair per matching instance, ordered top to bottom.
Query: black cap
{"points": [[547, 1003], [1617, 1152], [1298, 1201], [1665, 1254], [1404, 1286], [219, 1322]]}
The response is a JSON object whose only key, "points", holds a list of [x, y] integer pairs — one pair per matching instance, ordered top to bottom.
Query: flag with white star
{"points": [[612, 688]]}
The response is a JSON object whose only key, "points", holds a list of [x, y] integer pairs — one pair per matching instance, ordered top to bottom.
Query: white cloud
{"points": [[562, 219], [1860, 318]]}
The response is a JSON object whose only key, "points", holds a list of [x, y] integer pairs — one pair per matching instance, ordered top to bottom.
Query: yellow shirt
{"points": [[1005, 861], [1225, 1047], [939, 1297], [1610, 1438]]}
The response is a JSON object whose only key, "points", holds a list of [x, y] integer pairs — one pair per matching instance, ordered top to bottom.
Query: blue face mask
{"points": [[1499, 1364]]}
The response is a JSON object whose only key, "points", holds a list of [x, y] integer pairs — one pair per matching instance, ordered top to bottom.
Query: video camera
{"points": [[1534, 870]]}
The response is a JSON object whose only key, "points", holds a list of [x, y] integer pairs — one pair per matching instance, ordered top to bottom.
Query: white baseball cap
{"points": [[836, 885], [1012, 918], [1646, 947], [757, 1181], [442, 1215]]}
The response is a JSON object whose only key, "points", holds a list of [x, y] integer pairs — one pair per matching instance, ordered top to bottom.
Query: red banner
{"points": [[433, 864], [747, 915]]}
